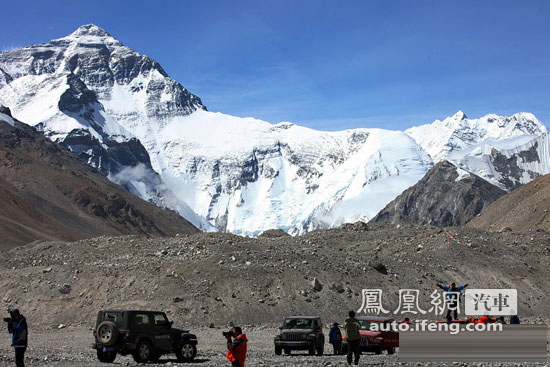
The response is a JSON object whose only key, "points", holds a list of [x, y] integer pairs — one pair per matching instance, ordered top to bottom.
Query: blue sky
{"points": [[329, 65]]}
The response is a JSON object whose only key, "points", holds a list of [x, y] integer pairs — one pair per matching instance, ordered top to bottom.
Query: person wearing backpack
{"points": [[353, 337]]}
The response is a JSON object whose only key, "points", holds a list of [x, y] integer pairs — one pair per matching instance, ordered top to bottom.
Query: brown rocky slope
{"points": [[46, 192], [527, 207], [216, 278]]}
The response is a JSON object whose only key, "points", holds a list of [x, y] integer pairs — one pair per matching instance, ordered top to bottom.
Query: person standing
{"points": [[453, 297], [353, 337], [335, 338], [19, 341], [236, 347]]}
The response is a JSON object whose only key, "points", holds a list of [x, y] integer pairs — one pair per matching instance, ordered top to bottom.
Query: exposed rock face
{"points": [[441, 198], [527, 207]]}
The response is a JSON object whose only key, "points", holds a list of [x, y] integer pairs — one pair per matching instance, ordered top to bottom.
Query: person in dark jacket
{"points": [[453, 297], [514, 319], [353, 337], [335, 338], [19, 340], [236, 347]]}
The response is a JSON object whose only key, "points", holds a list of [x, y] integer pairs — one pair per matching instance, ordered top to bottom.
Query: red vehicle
{"points": [[375, 341]]}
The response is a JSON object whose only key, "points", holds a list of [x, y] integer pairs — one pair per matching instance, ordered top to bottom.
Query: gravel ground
{"points": [[71, 347]]}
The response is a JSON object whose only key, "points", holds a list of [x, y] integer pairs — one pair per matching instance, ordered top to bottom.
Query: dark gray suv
{"points": [[300, 333], [146, 335]]}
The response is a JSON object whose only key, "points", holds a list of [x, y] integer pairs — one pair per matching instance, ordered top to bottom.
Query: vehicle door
{"points": [[142, 326], [162, 331], [391, 338]]}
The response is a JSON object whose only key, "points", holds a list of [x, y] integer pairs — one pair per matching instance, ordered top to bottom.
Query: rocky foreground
{"points": [[206, 279], [70, 347]]}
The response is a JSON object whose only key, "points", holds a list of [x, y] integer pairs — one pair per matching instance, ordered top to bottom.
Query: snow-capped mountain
{"points": [[49, 86], [122, 113], [456, 133], [506, 151], [507, 163], [243, 175], [247, 176]]}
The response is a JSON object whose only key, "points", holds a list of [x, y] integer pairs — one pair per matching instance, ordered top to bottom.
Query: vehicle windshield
{"points": [[298, 324], [365, 324]]}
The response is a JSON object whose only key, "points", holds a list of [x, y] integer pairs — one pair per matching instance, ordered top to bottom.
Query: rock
{"points": [[379, 267], [47, 270], [316, 285], [338, 287], [65, 289], [177, 299]]}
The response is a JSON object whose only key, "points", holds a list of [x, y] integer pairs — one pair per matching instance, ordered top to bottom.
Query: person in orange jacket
{"points": [[484, 320], [236, 347]]}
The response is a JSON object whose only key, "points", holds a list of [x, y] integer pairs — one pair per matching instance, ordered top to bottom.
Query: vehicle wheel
{"points": [[107, 333], [311, 350], [378, 350], [391, 350], [278, 351], [288, 351], [320, 351], [143, 352], [186, 352], [106, 357]]}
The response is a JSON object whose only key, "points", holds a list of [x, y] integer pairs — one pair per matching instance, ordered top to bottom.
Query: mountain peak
{"points": [[90, 30], [459, 115]]}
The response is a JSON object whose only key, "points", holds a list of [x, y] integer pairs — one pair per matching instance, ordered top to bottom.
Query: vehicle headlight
{"points": [[310, 336]]}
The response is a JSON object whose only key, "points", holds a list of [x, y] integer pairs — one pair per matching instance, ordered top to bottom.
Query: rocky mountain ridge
{"points": [[446, 196]]}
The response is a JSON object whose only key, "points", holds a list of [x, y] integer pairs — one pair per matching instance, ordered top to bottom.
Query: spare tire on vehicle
{"points": [[107, 333]]}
